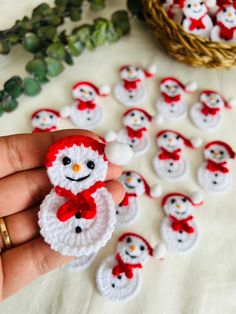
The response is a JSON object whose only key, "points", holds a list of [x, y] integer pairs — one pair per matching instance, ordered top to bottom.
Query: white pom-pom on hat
{"points": [[210, 3], [152, 69], [191, 87], [104, 90], [231, 102], [65, 112], [159, 119], [110, 136], [196, 141], [118, 153], [156, 190], [196, 197], [159, 250]]}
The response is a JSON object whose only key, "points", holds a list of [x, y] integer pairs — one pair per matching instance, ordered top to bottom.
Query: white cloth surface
{"points": [[202, 282]]}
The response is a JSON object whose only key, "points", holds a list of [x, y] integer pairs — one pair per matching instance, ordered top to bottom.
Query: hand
{"points": [[23, 186]]}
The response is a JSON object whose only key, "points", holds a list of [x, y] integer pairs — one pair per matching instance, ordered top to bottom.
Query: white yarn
{"points": [[134, 97], [118, 153]]}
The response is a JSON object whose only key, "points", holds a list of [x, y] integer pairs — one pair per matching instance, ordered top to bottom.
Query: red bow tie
{"points": [[197, 23], [225, 32], [131, 84], [169, 99], [83, 105], [207, 110], [38, 130], [135, 133], [164, 155], [214, 166], [126, 199], [82, 203], [181, 224], [125, 268]]}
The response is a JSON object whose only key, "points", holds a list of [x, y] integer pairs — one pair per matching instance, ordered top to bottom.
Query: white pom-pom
{"points": [[210, 3], [152, 69], [191, 87], [104, 90], [232, 102], [65, 112], [159, 119], [110, 136], [196, 141], [118, 153], [156, 190], [196, 197], [160, 250]]}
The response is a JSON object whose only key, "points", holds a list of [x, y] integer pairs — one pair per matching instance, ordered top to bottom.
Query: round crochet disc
{"points": [[131, 97], [172, 111], [86, 119], [202, 121], [139, 145], [126, 214], [80, 263], [116, 288]]}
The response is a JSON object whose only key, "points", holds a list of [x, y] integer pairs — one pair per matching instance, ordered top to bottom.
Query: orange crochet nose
{"points": [[170, 140], [216, 154], [76, 167], [129, 180], [178, 206], [132, 247]]}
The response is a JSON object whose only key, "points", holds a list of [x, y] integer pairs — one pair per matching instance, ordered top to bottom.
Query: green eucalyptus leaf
{"points": [[61, 2], [76, 3], [97, 5], [134, 6], [41, 9], [75, 14], [53, 20], [120, 20], [47, 32], [82, 33], [112, 35], [13, 39], [31, 42], [89, 44], [5, 46], [57, 51], [68, 58], [37, 67], [54, 67], [41, 80], [13, 86], [31, 87], [2, 94], [8, 104], [1, 110]]}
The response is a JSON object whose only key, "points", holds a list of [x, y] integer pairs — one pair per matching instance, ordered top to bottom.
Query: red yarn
{"points": [[197, 23], [225, 32], [173, 79], [131, 84], [169, 99], [83, 105], [47, 110], [207, 110], [148, 116], [38, 130], [135, 133], [187, 142], [225, 145], [164, 155], [214, 166], [165, 198], [126, 199], [82, 203], [181, 224], [131, 234], [125, 268]]}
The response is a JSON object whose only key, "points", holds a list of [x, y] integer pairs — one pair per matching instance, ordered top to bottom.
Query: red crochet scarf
{"points": [[197, 23], [225, 32], [131, 84], [169, 99], [83, 105], [209, 111], [38, 130], [135, 133], [165, 154], [214, 166], [127, 198], [82, 203], [181, 224], [125, 268]]}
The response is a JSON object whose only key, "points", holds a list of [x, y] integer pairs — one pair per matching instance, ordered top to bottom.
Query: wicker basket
{"points": [[191, 49]]}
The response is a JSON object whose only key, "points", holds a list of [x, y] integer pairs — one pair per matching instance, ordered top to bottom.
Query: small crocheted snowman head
{"points": [[194, 9], [227, 15], [132, 73], [173, 87], [87, 91], [212, 99], [45, 118], [136, 119], [218, 152], [134, 183], [179, 205], [133, 249]]}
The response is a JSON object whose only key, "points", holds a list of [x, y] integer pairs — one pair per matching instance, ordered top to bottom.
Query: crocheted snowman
{"points": [[197, 21], [225, 30], [131, 91], [171, 104], [86, 111], [206, 114], [45, 120], [170, 164], [214, 174], [135, 185], [78, 216], [178, 229], [119, 276]]}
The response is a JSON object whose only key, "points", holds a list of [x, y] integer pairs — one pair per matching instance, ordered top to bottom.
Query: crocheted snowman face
{"points": [[194, 8], [227, 16], [132, 73], [171, 88], [85, 93], [212, 100], [45, 120], [136, 120], [170, 141], [216, 153], [77, 168], [132, 182], [178, 206], [133, 250]]}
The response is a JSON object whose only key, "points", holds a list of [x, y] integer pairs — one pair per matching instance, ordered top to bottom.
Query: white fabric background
{"points": [[202, 282]]}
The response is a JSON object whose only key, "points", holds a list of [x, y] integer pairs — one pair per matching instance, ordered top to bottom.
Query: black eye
{"points": [[201, 3], [189, 5], [224, 10], [137, 69], [167, 85], [175, 86], [81, 90], [90, 93], [217, 101], [132, 114], [51, 116], [37, 117], [142, 118], [165, 135], [177, 137], [212, 151], [221, 152], [66, 161], [90, 164], [128, 174], [139, 180], [173, 200], [184, 200], [128, 240], [142, 248]]}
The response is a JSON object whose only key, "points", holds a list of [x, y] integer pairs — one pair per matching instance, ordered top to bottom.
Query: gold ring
{"points": [[5, 234]]}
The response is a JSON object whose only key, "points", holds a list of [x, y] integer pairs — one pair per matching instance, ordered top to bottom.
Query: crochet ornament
{"points": [[225, 30], [131, 91], [171, 104], [86, 112], [206, 114], [45, 120], [170, 164], [214, 174], [135, 185], [78, 216], [178, 229], [81, 263], [119, 276]]}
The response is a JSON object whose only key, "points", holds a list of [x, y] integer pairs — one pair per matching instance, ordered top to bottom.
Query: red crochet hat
{"points": [[148, 73], [189, 87], [102, 91], [208, 91], [47, 110], [147, 115], [187, 142], [225, 145], [194, 199], [131, 234]]}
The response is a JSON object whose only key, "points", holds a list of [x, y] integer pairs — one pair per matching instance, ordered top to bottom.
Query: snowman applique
{"points": [[197, 20], [225, 30], [131, 91], [171, 104], [86, 111], [206, 114], [45, 120], [170, 164], [214, 174], [135, 185], [78, 216], [178, 229], [119, 276]]}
